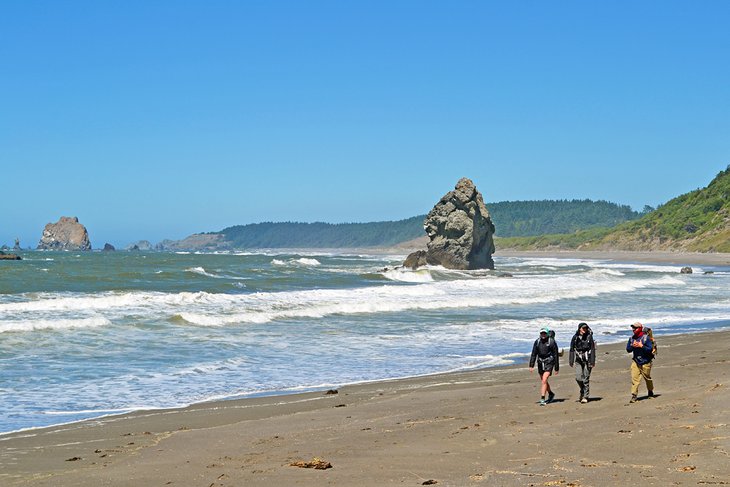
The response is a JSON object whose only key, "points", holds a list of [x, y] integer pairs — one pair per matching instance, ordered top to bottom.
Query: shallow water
{"points": [[88, 334]]}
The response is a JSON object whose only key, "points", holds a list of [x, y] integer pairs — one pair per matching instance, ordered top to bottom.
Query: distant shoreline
{"points": [[679, 258]]}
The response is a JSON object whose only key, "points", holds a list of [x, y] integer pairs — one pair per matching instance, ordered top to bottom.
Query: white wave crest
{"points": [[302, 261], [200, 271], [203, 272], [404, 274], [217, 309], [32, 325]]}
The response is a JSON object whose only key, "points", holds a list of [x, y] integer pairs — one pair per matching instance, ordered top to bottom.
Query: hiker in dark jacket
{"points": [[642, 347], [545, 353], [583, 356]]}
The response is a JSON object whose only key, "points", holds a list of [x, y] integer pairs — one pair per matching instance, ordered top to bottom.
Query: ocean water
{"points": [[84, 335]]}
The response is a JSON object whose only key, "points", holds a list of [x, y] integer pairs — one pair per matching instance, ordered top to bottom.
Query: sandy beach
{"points": [[679, 258], [480, 427]]}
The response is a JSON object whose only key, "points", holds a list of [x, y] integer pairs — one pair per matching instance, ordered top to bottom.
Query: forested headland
{"points": [[511, 218], [698, 221]]}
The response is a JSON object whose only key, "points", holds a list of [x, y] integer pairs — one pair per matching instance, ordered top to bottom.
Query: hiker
{"points": [[641, 345], [545, 352], [583, 355]]}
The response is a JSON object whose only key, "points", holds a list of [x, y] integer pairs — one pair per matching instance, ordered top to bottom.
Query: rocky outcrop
{"points": [[460, 231], [66, 234], [207, 242], [145, 245], [108, 248], [4, 256], [415, 259]]}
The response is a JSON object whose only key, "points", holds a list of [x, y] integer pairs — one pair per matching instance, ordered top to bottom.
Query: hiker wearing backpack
{"points": [[642, 346], [545, 353], [583, 356]]}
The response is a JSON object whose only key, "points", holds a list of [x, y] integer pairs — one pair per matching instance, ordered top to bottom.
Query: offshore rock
{"points": [[460, 231], [66, 234], [141, 245], [108, 248], [4, 256], [415, 259], [685, 270]]}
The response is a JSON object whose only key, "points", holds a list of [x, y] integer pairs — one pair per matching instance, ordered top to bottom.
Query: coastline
{"points": [[679, 258], [478, 427]]}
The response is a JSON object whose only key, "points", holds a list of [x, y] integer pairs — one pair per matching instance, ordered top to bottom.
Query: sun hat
{"points": [[637, 325], [545, 329]]}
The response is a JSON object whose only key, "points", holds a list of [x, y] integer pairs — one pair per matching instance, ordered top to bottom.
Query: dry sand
{"points": [[473, 428]]}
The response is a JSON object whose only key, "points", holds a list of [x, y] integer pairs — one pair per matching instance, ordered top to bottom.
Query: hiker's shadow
{"points": [[645, 398], [593, 399], [557, 400]]}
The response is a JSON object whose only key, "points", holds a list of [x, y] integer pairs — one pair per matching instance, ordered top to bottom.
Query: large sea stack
{"points": [[460, 232], [66, 234]]}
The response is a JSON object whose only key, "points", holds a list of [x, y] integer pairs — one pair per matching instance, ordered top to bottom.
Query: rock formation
{"points": [[460, 232], [66, 234], [144, 245], [108, 248], [4, 256]]}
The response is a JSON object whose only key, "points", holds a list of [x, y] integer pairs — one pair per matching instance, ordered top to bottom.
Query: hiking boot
{"points": [[651, 394], [551, 396], [580, 399], [584, 400], [632, 400], [543, 402]]}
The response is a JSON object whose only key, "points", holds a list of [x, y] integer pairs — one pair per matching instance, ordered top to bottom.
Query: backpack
{"points": [[650, 335], [551, 342]]}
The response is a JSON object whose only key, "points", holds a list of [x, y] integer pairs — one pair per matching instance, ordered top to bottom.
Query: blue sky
{"points": [[152, 120]]}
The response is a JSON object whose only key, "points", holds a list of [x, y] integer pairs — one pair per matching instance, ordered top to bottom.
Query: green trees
{"points": [[511, 218], [526, 218], [698, 221]]}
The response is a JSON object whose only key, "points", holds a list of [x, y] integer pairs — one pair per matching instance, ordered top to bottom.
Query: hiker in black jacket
{"points": [[545, 352], [583, 355]]}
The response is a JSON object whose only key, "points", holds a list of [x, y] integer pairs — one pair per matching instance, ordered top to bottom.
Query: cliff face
{"points": [[460, 231], [66, 234]]}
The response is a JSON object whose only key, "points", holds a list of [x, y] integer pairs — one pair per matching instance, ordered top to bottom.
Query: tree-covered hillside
{"points": [[510, 218], [524, 218], [698, 221], [323, 235]]}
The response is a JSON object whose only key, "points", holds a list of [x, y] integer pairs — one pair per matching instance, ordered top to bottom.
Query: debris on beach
{"points": [[332, 391], [73, 459], [315, 463], [430, 482]]}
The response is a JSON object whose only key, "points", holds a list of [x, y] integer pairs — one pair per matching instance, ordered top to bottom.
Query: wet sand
{"points": [[480, 427]]}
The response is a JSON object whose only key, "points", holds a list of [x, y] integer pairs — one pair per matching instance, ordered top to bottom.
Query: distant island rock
{"points": [[460, 232], [66, 234], [197, 241], [145, 245], [108, 248], [4, 256]]}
